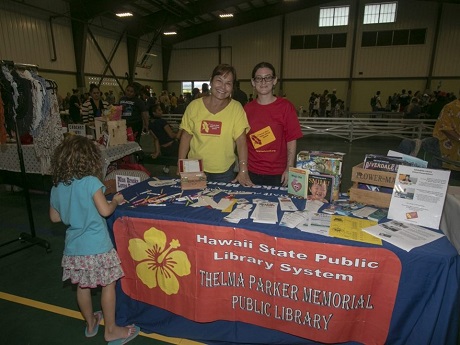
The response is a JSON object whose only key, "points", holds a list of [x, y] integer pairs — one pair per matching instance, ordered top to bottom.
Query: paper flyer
{"points": [[418, 196], [316, 223], [350, 228], [403, 235]]}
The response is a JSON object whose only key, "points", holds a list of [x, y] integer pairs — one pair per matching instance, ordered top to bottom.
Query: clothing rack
{"points": [[29, 239]]}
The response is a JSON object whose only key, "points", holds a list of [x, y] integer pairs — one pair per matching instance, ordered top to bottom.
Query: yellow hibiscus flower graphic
{"points": [[159, 266]]}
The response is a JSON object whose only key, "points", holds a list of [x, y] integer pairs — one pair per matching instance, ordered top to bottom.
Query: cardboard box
{"points": [[115, 129], [191, 174], [374, 178]]}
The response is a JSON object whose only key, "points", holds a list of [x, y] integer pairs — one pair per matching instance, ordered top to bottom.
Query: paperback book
{"points": [[382, 163], [298, 182]]}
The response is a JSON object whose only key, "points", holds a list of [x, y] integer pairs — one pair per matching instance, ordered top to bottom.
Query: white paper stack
{"points": [[286, 204], [240, 212], [265, 212], [292, 219]]}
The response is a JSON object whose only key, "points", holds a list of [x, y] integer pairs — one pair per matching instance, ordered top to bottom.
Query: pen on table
{"points": [[156, 204]]}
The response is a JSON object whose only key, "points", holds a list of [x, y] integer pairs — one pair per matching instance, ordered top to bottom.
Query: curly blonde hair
{"points": [[75, 158]]}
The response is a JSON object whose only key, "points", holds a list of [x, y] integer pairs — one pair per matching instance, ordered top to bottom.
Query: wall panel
{"points": [[28, 40], [254, 43], [245, 46], [397, 61], [196, 63], [315, 63], [446, 63]]}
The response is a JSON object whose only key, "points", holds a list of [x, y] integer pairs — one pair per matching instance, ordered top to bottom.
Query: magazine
{"points": [[409, 160], [320, 187]]}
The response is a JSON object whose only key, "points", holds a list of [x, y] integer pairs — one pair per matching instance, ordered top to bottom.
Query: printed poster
{"points": [[418, 196]]}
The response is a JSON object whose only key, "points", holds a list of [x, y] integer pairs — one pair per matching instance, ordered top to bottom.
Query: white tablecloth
{"points": [[9, 157], [450, 219]]}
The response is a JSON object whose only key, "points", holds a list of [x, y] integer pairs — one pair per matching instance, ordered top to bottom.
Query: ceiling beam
{"points": [[88, 9], [242, 18], [149, 23]]}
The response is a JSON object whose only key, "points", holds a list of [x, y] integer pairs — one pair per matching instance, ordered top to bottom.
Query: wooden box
{"points": [[115, 129], [192, 175], [374, 178]]}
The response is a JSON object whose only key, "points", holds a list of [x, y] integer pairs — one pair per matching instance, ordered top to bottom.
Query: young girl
{"points": [[89, 259]]}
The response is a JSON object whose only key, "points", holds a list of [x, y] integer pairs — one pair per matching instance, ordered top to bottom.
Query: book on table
{"points": [[298, 182]]}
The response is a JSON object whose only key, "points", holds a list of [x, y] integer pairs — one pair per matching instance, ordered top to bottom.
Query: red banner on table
{"points": [[324, 292]]}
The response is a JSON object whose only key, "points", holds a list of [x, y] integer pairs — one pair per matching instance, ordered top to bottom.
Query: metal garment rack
{"points": [[29, 239]]}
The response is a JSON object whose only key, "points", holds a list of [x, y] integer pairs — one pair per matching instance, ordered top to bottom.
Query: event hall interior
{"points": [[79, 42]]}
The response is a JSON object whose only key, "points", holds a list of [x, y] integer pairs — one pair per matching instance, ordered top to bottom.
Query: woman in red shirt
{"points": [[275, 128]]}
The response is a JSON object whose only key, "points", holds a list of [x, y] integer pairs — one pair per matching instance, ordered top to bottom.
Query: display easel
{"points": [[29, 239]]}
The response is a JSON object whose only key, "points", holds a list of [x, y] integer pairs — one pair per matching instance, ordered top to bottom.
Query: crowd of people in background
{"points": [[169, 102], [325, 104], [414, 105]]}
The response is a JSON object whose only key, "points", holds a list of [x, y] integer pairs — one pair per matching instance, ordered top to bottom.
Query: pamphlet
{"points": [[418, 196], [286, 204], [313, 205], [240, 212], [265, 212], [364, 212], [292, 219], [316, 223], [350, 228], [403, 235]]}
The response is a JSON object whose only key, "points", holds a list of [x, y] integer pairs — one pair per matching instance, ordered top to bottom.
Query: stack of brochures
{"points": [[265, 212]]}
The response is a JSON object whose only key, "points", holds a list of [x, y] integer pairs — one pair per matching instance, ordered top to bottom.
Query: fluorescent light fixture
{"points": [[124, 14], [226, 15], [169, 33], [151, 54]]}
